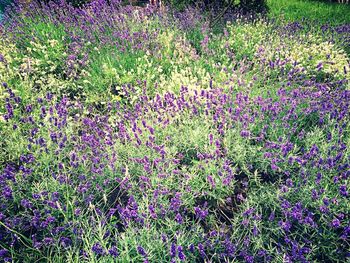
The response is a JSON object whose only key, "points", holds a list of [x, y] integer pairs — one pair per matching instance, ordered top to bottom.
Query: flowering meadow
{"points": [[133, 135]]}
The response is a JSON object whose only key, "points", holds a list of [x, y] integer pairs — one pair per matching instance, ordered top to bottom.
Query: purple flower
{"points": [[245, 133], [210, 139], [274, 167], [211, 181], [289, 183], [343, 190], [7, 192], [175, 202], [26, 203], [324, 209], [77, 211], [248, 212], [201, 213], [178, 218], [335, 223], [285, 225], [255, 231], [48, 241], [65, 241], [191, 248], [98, 249], [230, 249], [172, 250], [201, 250], [113, 251], [141, 251], [3, 253], [262, 253], [181, 254]]}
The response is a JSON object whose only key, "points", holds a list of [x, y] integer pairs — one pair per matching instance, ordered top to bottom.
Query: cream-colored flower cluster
{"points": [[307, 53], [7, 58], [36, 70], [194, 78]]}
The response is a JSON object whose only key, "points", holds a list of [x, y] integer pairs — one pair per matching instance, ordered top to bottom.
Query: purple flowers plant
{"points": [[246, 160]]}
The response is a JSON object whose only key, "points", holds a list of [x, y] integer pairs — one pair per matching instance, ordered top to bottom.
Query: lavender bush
{"points": [[131, 135]]}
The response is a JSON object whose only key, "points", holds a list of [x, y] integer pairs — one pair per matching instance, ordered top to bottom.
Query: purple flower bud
{"points": [[245, 133], [210, 139], [211, 181], [343, 190], [201, 213], [178, 218], [335, 223], [191, 248], [98, 249], [172, 250], [201, 250], [113, 251], [141, 251], [3, 253], [181, 254]]}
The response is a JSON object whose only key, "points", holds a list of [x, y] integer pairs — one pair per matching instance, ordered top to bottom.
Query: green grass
{"points": [[323, 12]]}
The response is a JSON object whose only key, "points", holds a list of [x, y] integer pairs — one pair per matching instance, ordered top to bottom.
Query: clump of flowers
{"points": [[307, 54], [134, 138]]}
